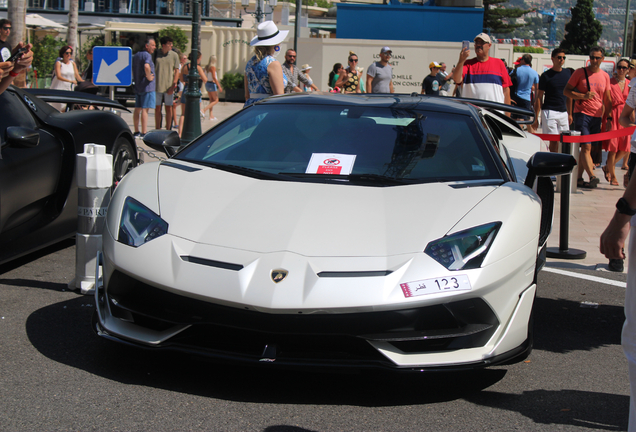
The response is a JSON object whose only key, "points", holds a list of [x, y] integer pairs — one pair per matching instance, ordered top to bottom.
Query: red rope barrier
{"points": [[588, 138]]}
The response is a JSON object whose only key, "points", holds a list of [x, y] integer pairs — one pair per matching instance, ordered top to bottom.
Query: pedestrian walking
{"points": [[380, 74], [589, 88], [554, 107]]}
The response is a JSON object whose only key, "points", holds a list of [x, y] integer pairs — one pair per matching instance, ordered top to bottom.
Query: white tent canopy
{"points": [[35, 20]]}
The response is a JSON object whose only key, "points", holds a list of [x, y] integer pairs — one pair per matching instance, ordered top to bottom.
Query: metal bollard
{"points": [[94, 172], [564, 251]]}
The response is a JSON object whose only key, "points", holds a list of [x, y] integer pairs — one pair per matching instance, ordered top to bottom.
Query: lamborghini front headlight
{"points": [[139, 224], [465, 249]]}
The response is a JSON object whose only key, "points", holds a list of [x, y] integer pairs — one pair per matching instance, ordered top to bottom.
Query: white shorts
{"points": [[554, 122]]}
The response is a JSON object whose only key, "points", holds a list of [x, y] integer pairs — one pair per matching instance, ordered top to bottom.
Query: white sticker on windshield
{"points": [[330, 163]]}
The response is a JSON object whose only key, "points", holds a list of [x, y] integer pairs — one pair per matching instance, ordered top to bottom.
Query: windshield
{"points": [[304, 141]]}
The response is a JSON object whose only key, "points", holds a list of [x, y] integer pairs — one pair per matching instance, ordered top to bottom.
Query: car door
{"points": [[28, 173]]}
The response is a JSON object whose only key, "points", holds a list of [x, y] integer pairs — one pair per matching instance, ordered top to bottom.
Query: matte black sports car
{"points": [[38, 146]]}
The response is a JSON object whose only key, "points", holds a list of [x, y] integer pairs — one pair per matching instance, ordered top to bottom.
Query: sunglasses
{"points": [[6, 28], [69, 52], [561, 57], [595, 58], [353, 60], [622, 67]]}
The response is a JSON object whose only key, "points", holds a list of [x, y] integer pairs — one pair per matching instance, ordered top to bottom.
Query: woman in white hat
{"points": [[264, 74]]}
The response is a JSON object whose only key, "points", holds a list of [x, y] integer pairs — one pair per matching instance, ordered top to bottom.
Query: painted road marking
{"points": [[586, 277]]}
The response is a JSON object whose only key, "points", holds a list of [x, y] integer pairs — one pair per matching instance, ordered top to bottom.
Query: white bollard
{"points": [[94, 172]]}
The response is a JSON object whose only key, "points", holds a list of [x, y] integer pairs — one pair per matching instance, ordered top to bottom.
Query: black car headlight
{"points": [[139, 224], [465, 249]]}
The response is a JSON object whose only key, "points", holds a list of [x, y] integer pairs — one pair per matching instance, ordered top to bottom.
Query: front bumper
{"points": [[464, 331]]}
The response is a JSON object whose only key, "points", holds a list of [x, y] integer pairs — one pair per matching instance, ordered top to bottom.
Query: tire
{"points": [[124, 158]]}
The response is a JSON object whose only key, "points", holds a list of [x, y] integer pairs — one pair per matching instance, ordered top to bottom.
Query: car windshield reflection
{"points": [[363, 144]]}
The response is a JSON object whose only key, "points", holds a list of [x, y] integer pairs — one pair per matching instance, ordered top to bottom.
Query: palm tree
{"points": [[16, 13], [71, 33]]}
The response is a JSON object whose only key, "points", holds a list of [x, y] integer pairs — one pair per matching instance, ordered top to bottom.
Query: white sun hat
{"points": [[267, 34]]}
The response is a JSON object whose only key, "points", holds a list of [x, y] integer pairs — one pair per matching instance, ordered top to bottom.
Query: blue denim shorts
{"points": [[210, 86], [145, 100], [587, 125]]}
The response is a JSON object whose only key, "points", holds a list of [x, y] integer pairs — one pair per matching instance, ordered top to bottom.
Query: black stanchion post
{"points": [[563, 251]]}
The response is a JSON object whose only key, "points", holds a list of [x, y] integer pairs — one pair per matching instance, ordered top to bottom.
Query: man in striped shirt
{"points": [[483, 77]]}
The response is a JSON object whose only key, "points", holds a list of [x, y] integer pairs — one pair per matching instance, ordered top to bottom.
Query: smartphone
{"points": [[465, 45], [19, 53]]}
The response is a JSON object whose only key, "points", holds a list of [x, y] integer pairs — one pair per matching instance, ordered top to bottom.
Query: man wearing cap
{"points": [[380, 74], [294, 75], [482, 77], [527, 81], [432, 82], [551, 104]]}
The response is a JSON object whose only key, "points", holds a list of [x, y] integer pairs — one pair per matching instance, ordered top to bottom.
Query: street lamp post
{"points": [[259, 13], [192, 121]]}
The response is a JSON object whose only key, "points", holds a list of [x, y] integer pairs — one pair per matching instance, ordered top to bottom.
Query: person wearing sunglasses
{"points": [[5, 47], [65, 74], [295, 75], [351, 80], [589, 87], [554, 108], [616, 148]]}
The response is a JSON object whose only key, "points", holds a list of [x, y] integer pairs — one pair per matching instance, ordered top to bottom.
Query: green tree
{"points": [[497, 20], [583, 30], [178, 36], [92, 41], [45, 52]]}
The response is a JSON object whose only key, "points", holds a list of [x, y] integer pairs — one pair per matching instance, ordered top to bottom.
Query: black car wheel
{"points": [[124, 159]]}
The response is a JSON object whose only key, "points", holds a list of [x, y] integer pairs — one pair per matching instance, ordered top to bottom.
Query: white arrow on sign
{"points": [[108, 73]]}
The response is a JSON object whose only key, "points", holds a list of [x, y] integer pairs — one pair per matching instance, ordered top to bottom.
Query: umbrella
{"points": [[35, 20]]}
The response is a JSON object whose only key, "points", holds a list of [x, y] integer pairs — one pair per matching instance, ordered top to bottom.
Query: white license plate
{"points": [[436, 286]]}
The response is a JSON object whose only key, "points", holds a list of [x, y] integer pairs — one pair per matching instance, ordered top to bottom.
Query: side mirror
{"points": [[20, 137], [167, 141], [545, 164]]}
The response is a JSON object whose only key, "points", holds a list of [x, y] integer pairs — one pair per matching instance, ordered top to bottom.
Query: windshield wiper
{"points": [[236, 169], [352, 178]]}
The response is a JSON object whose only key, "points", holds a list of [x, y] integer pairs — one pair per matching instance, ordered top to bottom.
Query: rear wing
{"points": [[75, 97]]}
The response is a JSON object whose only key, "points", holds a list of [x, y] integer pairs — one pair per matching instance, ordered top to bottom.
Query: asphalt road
{"points": [[56, 374]]}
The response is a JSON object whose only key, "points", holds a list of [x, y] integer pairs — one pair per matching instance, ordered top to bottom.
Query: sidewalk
{"points": [[221, 111], [590, 210]]}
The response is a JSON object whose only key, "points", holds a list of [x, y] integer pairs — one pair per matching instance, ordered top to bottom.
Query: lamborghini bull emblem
{"points": [[279, 275]]}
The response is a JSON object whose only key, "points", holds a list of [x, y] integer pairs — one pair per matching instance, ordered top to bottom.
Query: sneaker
{"points": [[202, 115], [213, 118], [175, 127], [137, 135], [594, 181], [616, 265]]}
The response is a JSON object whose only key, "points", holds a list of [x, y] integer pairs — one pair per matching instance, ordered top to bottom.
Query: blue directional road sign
{"points": [[112, 66]]}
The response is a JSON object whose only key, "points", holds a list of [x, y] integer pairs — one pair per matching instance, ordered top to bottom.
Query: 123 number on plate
{"points": [[436, 286]]}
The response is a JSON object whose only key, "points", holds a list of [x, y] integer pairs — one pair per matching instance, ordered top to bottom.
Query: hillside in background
{"points": [[611, 13]]}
